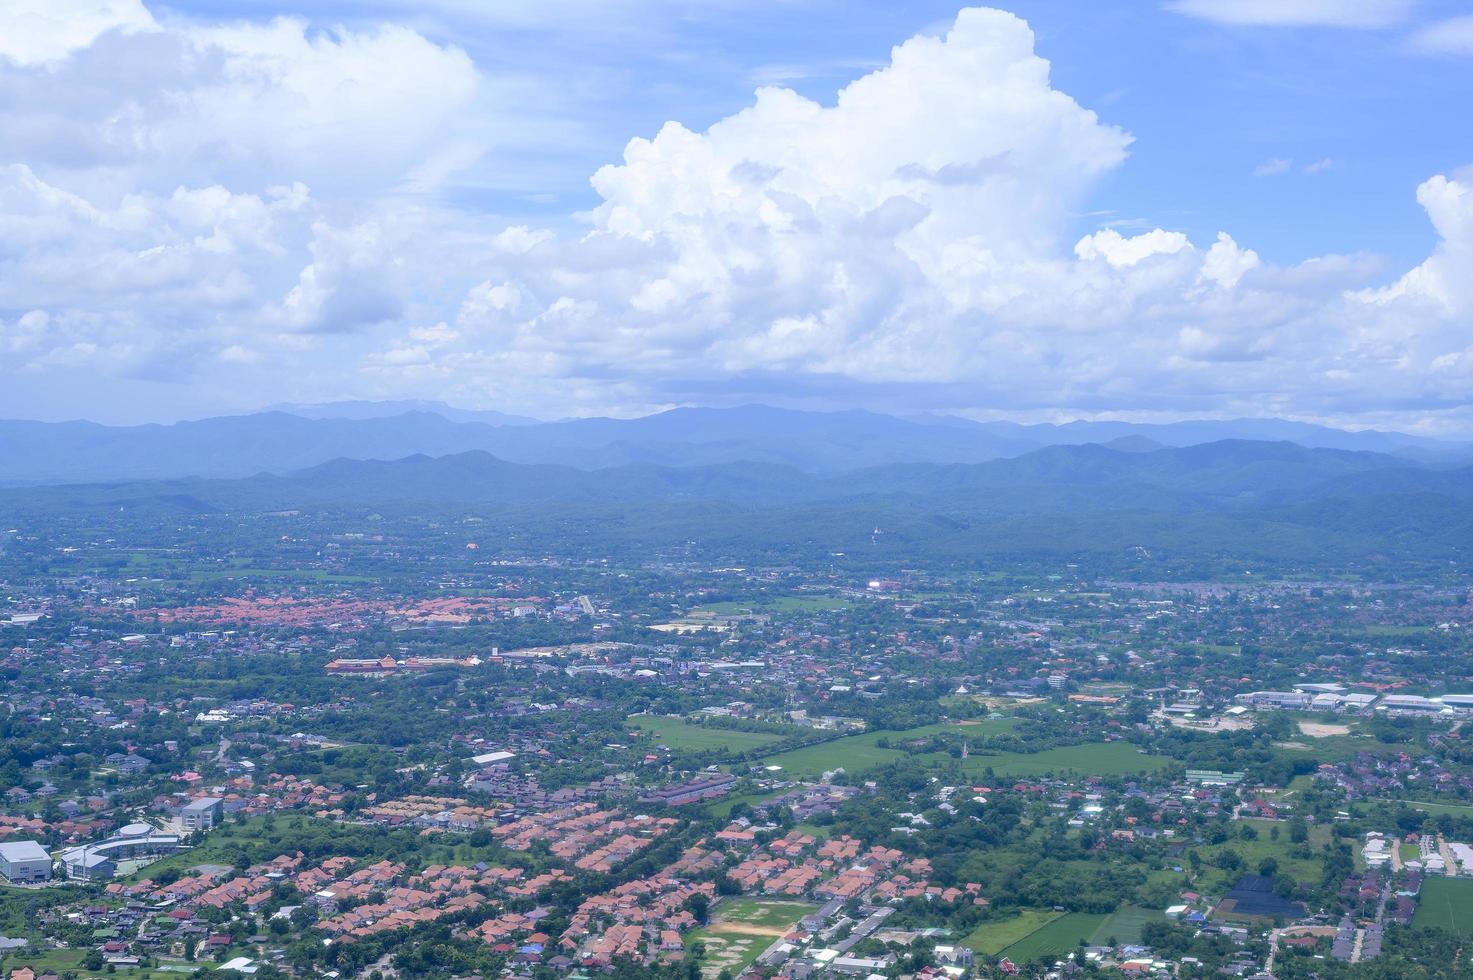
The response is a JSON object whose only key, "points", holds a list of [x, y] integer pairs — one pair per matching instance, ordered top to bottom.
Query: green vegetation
{"points": [[680, 735], [857, 753], [1093, 759], [741, 929], [996, 935], [1055, 938]]}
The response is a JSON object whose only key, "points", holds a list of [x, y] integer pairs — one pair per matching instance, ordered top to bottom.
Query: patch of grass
{"points": [[684, 736], [856, 753], [1093, 759], [721, 809], [1455, 809], [1446, 903], [762, 913], [1124, 925], [741, 929], [996, 935], [1060, 936]]}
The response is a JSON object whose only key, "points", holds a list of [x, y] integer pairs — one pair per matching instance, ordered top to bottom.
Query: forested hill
{"points": [[1234, 496]]}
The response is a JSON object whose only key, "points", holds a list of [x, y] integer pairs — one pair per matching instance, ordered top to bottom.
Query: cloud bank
{"points": [[259, 204]]}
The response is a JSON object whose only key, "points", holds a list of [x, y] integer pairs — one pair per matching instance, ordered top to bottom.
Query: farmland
{"points": [[1034, 933], [994, 936], [1056, 937]]}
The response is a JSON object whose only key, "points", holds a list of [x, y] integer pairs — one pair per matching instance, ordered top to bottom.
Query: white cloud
{"points": [[1298, 13], [40, 31], [1453, 36], [349, 112], [1318, 167], [1273, 168], [911, 234], [917, 234], [1120, 251], [1226, 263], [1444, 283]]}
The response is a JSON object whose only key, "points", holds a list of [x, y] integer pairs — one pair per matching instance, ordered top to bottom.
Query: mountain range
{"points": [[817, 443], [1218, 501]]}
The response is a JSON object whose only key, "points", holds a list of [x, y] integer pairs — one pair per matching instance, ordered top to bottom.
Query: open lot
{"points": [[741, 929]]}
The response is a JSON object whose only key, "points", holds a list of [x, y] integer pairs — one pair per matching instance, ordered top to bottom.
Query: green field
{"points": [[685, 736], [856, 753], [1094, 759], [721, 809], [1454, 809], [1446, 903], [1124, 925], [740, 929], [1035, 933], [992, 937], [1058, 937]]}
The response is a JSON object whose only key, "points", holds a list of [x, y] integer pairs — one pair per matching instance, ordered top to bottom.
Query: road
{"points": [[1447, 857]]}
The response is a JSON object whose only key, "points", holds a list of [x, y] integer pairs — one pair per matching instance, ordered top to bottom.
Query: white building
{"points": [[202, 814], [24, 861]]}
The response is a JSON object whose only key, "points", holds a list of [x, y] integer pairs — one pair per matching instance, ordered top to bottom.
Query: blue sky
{"points": [[1209, 103], [212, 208]]}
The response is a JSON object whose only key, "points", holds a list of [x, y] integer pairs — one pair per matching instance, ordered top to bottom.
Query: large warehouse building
{"points": [[24, 862]]}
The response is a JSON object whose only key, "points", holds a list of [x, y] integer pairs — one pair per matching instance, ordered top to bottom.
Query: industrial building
{"points": [[24, 862]]}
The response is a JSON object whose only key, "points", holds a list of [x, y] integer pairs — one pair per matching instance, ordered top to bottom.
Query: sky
{"points": [[1042, 211]]}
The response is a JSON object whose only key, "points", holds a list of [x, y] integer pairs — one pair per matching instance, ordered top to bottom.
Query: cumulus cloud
{"points": [[1297, 13], [41, 31], [154, 181], [187, 203], [912, 234], [1444, 283]]}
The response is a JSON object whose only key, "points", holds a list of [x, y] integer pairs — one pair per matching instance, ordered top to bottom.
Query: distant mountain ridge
{"points": [[819, 443], [1091, 476], [1229, 498]]}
